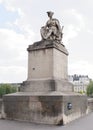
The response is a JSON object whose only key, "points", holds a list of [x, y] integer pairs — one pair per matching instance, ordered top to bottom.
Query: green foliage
{"points": [[6, 89], [90, 89], [2, 90], [81, 92]]}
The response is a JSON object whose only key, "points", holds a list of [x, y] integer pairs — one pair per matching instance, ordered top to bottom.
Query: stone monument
{"points": [[46, 96]]}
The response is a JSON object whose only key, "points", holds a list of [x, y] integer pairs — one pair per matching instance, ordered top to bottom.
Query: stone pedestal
{"points": [[47, 60], [47, 68], [46, 96], [45, 108]]}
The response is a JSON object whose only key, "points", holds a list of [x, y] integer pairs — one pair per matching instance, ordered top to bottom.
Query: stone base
{"points": [[46, 85], [46, 108]]}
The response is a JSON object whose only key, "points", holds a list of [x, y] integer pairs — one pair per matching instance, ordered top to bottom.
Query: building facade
{"points": [[80, 82]]}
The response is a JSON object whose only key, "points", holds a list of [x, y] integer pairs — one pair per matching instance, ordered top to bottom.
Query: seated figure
{"points": [[52, 30]]}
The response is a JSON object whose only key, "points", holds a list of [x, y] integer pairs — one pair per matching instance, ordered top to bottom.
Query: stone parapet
{"points": [[90, 105]]}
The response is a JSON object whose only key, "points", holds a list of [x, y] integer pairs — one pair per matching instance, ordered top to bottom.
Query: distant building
{"points": [[80, 82]]}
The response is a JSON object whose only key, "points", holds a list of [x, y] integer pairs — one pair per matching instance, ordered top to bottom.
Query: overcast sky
{"points": [[20, 23]]}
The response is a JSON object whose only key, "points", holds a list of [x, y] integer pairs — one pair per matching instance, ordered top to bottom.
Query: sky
{"points": [[20, 23]]}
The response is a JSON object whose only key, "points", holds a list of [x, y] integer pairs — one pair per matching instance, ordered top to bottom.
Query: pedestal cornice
{"points": [[47, 44]]}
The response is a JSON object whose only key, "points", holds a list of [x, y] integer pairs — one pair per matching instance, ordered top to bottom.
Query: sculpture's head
{"points": [[50, 14]]}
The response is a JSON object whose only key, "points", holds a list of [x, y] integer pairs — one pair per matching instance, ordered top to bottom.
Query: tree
{"points": [[6, 89], [90, 89], [2, 90]]}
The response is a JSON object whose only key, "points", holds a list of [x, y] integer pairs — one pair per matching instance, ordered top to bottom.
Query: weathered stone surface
{"points": [[46, 44], [47, 59], [46, 85], [90, 105], [79, 107], [1, 108], [46, 108], [2, 114]]}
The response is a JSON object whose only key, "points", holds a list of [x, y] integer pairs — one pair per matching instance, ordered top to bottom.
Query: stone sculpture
{"points": [[52, 30], [46, 97]]}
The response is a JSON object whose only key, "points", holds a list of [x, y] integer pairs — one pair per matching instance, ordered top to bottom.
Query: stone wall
{"points": [[90, 105], [78, 107], [1, 108]]}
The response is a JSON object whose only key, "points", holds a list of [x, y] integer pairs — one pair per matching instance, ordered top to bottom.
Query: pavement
{"points": [[84, 123]]}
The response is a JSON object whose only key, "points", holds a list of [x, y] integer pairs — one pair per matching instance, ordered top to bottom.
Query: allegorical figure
{"points": [[52, 30]]}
